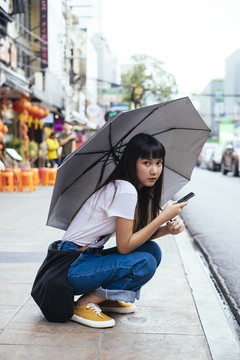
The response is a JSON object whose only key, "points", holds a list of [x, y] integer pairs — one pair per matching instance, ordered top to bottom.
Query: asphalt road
{"points": [[212, 218]]}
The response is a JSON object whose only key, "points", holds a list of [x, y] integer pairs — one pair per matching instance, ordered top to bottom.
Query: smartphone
{"points": [[186, 197]]}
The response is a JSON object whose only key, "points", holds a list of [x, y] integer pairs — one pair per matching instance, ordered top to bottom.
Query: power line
{"points": [[23, 27]]}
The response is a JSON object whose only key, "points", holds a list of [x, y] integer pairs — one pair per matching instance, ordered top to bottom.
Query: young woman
{"points": [[126, 204]]}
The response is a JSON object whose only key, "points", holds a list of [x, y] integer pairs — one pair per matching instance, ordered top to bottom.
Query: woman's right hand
{"points": [[172, 209]]}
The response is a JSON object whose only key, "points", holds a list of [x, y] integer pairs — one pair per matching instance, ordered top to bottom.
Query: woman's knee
{"points": [[152, 248], [146, 267]]}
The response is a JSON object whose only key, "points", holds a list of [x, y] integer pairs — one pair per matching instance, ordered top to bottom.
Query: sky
{"points": [[192, 38]]}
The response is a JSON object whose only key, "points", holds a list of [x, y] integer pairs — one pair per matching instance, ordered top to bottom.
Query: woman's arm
{"points": [[66, 139], [74, 145], [173, 227], [127, 241]]}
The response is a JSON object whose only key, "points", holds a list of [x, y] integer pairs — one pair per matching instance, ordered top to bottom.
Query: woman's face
{"points": [[148, 171]]}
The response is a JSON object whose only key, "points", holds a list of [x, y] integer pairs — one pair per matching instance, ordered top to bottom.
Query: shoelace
{"points": [[95, 308]]}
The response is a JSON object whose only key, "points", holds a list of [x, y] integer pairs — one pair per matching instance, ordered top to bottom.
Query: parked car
{"points": [[210, 157], [231, 157], [215, 158]]}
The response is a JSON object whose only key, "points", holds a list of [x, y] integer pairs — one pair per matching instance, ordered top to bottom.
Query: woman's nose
{"points": [[153, 169]]}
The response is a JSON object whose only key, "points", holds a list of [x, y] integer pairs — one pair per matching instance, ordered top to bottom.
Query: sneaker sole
{"points": [[123, 310], [94, 324]]}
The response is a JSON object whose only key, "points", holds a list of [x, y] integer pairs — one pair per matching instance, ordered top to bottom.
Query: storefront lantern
{"points": [[21, 105], [46, 112], [41, 113], [23, 116], [1, 124], [3, 130]]}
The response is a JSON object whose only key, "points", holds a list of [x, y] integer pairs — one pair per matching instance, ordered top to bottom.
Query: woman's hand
{"points": [[172, 209], [175, 227], [127, 241]]}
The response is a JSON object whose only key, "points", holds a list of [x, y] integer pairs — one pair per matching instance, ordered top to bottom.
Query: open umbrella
{"points": [[176, 124]]}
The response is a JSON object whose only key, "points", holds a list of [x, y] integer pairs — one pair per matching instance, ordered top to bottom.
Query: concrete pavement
{"points": [[178, 317]]}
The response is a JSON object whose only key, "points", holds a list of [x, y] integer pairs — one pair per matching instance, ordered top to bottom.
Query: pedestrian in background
{"points": [[67, 141], [52, 146], [126, 204]]}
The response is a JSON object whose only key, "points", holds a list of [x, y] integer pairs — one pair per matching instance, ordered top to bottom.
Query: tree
{"points": [[147, 82]]}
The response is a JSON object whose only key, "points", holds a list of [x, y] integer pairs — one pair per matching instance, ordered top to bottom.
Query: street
{"points": [[212, 219]]}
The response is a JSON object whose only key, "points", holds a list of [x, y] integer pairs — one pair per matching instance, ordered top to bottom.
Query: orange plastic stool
{"points": [[16, 175], [49, 177], [36, 179], [6, 181], [26, 181]]}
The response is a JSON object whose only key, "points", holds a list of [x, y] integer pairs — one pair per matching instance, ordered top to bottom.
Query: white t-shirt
{"points": [[98, 215]]}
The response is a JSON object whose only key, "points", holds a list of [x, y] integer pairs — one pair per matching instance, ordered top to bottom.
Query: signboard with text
{"points": [[44, 33], [8, 52]]}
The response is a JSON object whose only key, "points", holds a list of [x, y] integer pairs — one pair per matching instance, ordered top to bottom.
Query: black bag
{"points": [[51, 290]]}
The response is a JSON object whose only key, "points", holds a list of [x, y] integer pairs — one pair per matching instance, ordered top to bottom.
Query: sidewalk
{"points": [[179, 316]]}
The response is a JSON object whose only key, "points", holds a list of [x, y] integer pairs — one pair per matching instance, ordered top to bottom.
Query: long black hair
{"points": [[149, 198]]}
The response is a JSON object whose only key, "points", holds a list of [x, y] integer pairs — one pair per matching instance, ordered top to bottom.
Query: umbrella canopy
{"points": [[176, 124]]}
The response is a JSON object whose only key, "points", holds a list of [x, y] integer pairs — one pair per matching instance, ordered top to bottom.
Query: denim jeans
{"points": [[112, 275]]}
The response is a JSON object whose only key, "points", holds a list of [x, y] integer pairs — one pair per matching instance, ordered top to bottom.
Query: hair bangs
{"points": [[153, 149]]}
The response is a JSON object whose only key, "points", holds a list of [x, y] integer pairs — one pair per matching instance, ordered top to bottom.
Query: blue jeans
{"points": [[112, 275]]}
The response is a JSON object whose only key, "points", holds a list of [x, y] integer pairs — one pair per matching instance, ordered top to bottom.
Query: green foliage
{"points": [[147, 81], [15, 143], [32, 149]]}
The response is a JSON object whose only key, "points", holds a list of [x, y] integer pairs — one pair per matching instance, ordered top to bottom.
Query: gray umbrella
{"points": [[176, 124]]}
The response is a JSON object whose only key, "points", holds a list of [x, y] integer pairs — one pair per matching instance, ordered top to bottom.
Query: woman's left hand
{"points": [[175, 227]]}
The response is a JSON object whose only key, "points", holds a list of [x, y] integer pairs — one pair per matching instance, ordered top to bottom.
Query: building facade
{"points": [[232, 90], [211, 105]]}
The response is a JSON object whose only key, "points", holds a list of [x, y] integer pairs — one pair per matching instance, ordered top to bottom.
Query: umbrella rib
{"points": [[134, 127], [176, 128], [92, 153], [107, 153], [85, 171], [102, 171], [176, 172]]}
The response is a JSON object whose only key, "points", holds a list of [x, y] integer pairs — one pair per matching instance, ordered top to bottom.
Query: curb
{"points": [[220, 281], [220, 335]]}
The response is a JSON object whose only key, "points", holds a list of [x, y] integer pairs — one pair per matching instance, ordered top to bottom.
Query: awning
{"points": [[11, 78], [45, 101], [77, 118], [81, 118]]}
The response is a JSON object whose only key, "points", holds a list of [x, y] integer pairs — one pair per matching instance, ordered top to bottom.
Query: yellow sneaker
{"points": [[120, 307], [91, 315]]}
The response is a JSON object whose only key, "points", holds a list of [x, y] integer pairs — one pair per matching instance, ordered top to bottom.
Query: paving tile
{"points": [[27, 240], [9, 257], [17, 273], [168, 287], [14, 294], [30, 313], [6, 314], [30, 318], [158, 320], [54, 334], [153, 346], [51, 352]]}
